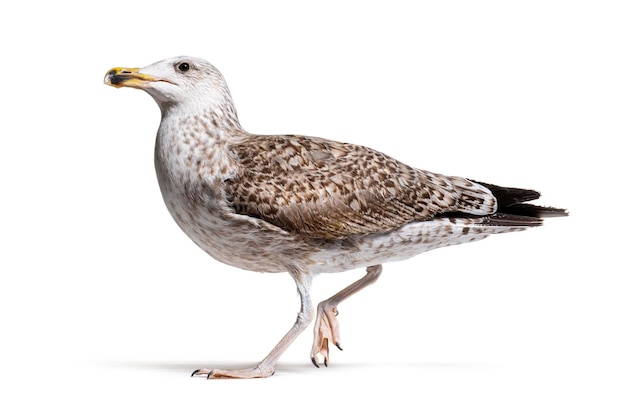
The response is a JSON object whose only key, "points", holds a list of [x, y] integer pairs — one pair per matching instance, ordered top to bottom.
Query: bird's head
{"points": [[186, 83]]}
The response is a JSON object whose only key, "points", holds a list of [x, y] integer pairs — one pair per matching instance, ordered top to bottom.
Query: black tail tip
{"points": [[512, 201], [531, 210]]}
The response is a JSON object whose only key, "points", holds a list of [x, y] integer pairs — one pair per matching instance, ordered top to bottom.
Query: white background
{"points": [[104, 301]]}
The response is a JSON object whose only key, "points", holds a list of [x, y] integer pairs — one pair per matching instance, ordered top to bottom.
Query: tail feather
{"points": [[507, 196], [532, 210], [513, 211], [510, 220]]}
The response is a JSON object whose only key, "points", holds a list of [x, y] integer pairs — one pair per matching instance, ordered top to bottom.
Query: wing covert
{"points": [[326, 189]]}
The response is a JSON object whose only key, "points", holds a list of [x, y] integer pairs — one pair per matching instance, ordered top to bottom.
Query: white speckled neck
{"points": [[190, 149]]}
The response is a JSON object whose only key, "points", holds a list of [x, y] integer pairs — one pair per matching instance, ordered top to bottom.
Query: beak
{"points": [[129, 77]]}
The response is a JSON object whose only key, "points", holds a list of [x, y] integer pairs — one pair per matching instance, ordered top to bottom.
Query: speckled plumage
{"points": [[324, 189], [303, 205]]}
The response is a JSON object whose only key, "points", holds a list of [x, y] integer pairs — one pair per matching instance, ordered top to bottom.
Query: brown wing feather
{"points": [[326, 189]]}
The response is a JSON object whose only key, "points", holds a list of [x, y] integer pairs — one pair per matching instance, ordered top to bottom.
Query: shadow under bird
{"points": [[303, 205]]}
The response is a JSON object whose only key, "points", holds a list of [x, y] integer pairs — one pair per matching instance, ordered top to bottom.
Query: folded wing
{"points": [[324, 189]]}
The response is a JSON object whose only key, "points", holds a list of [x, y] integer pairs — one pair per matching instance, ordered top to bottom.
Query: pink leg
{"points": [[326, 325], [265, 368]]}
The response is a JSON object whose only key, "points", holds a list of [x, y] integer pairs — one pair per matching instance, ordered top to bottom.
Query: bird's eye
{"points": [[183, 67]]}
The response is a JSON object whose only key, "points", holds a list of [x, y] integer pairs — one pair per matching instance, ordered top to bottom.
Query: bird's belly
{"points": [[239, 241], [405, 242], [252, 244]]}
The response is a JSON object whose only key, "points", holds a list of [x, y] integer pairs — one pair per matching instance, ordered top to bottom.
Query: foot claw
{"points": [[326, 331], [338, 346], [314, 361], [200, 371], [255, 372]]}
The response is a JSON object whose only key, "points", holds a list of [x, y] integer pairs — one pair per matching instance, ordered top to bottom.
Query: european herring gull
{"points": [[303, 205]]}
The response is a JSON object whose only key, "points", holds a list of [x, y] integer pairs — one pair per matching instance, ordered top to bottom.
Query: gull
{"points": [[303, 205]]}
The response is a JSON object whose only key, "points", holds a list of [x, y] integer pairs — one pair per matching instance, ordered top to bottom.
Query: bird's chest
{"points": [[190, 171], [191, 180], [233, 239]]}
